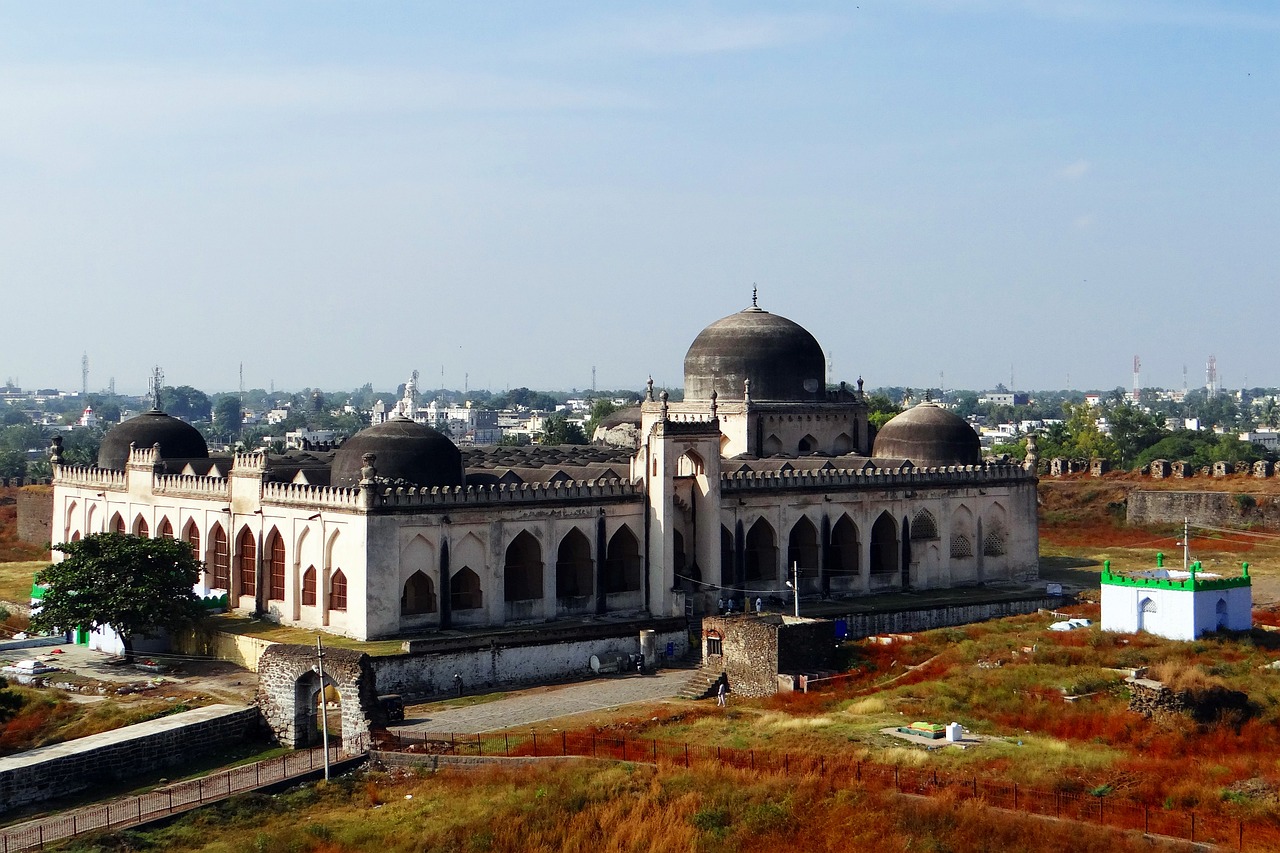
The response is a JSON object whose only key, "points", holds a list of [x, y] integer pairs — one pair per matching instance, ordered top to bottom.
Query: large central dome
{"points": [[783, 361], [405, 451]]}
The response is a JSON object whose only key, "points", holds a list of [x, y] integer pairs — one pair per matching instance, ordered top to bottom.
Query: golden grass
{"points": [[15, 580], [247, 626]]}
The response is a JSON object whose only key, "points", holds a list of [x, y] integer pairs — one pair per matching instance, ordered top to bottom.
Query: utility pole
{"points": [[1186, 544], [794, 583], [324, 708]]}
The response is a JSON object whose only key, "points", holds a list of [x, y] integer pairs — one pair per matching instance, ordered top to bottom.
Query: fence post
{"points": [[535, 743], [506, 744], [564, 744], [593, 744], [479, 745], [624, 747], [655, 750], [686, 753], [753, 759], [786, 764], [822, 764], [859, 772], [257, 773], [895, 779], [1015, 795], [170, 799], [1146, 818], [1100, 820], [1193, 827], [74, 831], [1240, 842]]}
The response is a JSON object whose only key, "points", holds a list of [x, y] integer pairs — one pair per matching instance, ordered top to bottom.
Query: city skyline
{"points": [[336, 195]]}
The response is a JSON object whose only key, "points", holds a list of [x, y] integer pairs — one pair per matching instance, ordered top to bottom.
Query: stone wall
{"points": [[1206, 509], [35, 514], [908, 621], [754, 649], [493, 662], [1152, 698], [67, 768]]}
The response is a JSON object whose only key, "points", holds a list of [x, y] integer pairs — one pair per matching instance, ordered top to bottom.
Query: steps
{"points": [[701, 684]]}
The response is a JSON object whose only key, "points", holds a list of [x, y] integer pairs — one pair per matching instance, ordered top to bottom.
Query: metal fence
{"points": [[171, 799], [1106, 810]]}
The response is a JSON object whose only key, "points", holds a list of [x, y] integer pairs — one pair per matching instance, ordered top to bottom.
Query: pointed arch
{"points": [[808, 444], [772, 445], [842, 445], [690, 464], [70, 514], [90, 517], [117, 524], [924, 525], [993, 526], [141, 528], [165, 530], [191, 535], [75, 537], [884, 546], [802, 549], [845, 550], [762, 552], [273, 555], [416, 556], [220, 557], [247, 562], [622, 565], [522, 570], [575, 570], [309, 586], [338, 590], [465, 592], [418, 596], [1146, 610], [1220, 612]]}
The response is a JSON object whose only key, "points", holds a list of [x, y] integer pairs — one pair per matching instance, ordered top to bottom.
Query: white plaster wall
{"points": [[1180, 614]]}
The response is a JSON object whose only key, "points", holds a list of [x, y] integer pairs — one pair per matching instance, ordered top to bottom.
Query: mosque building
{"points": [[760, 474]]}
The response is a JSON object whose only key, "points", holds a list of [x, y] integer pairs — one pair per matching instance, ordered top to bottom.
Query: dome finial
{"points": [[754, 290], [649, 385]]}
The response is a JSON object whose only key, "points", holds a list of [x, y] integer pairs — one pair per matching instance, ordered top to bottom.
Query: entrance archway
{"points": [[289, 695]]}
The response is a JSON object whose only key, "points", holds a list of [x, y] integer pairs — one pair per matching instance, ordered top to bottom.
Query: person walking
{"points": [[759, 606], [722, 691]]}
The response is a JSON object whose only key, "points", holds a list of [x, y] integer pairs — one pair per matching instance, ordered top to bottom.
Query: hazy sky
{"points": [[338, 193]]}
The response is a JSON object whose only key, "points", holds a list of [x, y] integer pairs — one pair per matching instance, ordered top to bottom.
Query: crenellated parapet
{"points": [[144, 457], [253, 462], [88, 476], [870, 477], [192, 485], [303, 494], [410, 497]]}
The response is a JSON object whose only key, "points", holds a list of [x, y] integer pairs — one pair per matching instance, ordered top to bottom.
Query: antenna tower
{"points": [[1137, 370], [84, 374], [1211, 376], [593, 380], [1184, 380], [242, 384], [111, 386]]}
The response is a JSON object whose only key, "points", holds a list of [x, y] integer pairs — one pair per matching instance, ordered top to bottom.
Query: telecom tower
{"points": [[1137, 369], [84, 375], [1211, 376], [154, 383]]}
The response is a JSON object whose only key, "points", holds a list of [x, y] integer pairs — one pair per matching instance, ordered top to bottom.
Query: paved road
{"points": [[544, 703]]}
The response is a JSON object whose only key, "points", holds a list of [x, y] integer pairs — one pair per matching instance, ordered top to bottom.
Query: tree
{"points": [[186, 402], [881, 409], [228, 415], [558, 429], [1132, 431], [132, 585]]}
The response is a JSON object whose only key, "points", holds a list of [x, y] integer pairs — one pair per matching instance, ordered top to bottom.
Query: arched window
{"points": [[808, 444], [843, 444], [772, 445], [690, 465], [117, 524], [923, 525], [141, 528], [166, 529], [75, 537], [192, 538], [993, 544], [884, 546], [247, 547], [961, 547], [802, 548], [845, 551], [274, 552], [762, 552], [726, 555], [221, 558], [622, 566], [575, 569], [522, 572], [309, 586], [464, 590], [338, 591], [419, 595], [1220, 610]]}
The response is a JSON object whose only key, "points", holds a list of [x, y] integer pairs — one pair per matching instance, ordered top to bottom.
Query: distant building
{"points": [[1000, 398]]}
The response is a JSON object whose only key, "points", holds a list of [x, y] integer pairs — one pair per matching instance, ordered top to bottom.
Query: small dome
{"points": [[783, 361], [930, 436], [177, 439], [405, 450]]}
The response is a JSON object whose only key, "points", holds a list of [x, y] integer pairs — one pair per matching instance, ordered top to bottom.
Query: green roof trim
{"points": [[1192, 584]]}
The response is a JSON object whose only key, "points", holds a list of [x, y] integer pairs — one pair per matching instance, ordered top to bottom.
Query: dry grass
{"points": [[16, 579]]}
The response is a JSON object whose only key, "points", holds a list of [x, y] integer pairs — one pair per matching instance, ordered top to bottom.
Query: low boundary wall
{"points": [[862, 625], [66, 768]]}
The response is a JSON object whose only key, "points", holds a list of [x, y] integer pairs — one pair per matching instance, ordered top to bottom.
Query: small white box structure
{"points": [[1180, 605], [955, 732]]}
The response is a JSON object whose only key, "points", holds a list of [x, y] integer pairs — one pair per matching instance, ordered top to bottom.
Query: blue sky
{"points": [[339, 193]]}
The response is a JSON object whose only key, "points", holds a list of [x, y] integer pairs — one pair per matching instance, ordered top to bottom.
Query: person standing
{"points": [[759, 606], [722, 691]]}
